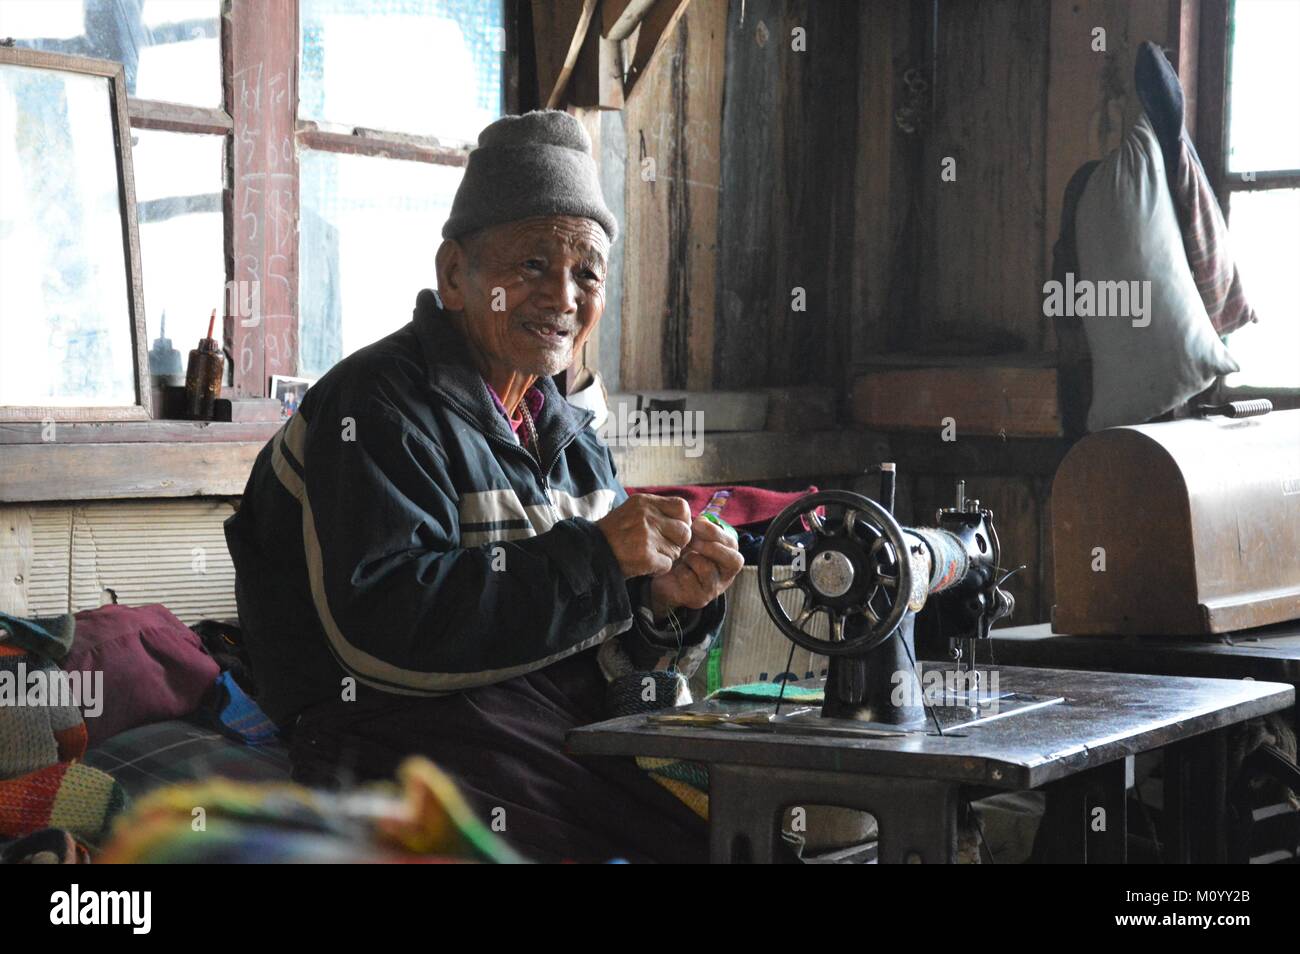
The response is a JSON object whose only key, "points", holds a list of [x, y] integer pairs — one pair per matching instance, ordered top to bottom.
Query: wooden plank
{"points": [[1184, 35], [891, 40], [1212, 94], [261, 96], [1090, 97], [671, 239], [787, 241], [983, 267], [1010, 402], [801, 408], [717, 410], [138, 432], [728, 458], [30, 472], [16, 554]]}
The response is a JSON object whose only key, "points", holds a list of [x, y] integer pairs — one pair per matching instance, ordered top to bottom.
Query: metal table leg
{"points": [[1195, 799], [917, 817], [1086, 818]]}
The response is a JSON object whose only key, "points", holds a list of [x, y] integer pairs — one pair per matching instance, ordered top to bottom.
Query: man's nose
{"points": [[558, 292]]}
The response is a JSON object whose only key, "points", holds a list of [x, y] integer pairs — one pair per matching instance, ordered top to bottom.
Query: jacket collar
{"points": [[453, 376]]}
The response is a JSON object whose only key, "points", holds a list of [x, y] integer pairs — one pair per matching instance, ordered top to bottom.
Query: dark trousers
{"points": [[504, 744]]}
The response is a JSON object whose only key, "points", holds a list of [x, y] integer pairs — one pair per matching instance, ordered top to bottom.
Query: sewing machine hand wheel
{"points": [[855, 569]]}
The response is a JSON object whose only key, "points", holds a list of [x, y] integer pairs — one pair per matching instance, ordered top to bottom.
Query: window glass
{"points": [[170, 49], [429, 67], [1264, 112], [368, 232], [1266, 242], [182, 249], [65, 319]]}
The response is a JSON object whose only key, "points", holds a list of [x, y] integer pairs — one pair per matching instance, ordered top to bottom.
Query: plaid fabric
{"points": [[1205, 238], [163, 753]]}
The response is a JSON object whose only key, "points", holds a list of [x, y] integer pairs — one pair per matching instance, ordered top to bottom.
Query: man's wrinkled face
{"points": [[530, 292]]}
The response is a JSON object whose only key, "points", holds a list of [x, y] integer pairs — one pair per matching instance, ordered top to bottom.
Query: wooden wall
{"points": [[780, 168]]}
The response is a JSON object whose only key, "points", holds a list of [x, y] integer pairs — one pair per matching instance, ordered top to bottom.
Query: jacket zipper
{"points": [[534, 462], [546, 473]]}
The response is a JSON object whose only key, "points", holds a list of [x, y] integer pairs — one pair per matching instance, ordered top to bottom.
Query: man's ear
{"points": [[451, 262]]}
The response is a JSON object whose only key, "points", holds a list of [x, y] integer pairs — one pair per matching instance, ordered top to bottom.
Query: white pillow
{"points": [[1126, 231]]}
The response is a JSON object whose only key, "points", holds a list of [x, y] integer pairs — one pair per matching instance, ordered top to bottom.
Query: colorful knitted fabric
{"points": [[34, 733], [41, 737], [68, 795], [422, 819]]}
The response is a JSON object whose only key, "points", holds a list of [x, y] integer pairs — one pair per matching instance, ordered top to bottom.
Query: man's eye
{"points": [[534, 264], [587, 275]]}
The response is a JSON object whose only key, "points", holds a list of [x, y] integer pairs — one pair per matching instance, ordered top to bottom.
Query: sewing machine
{"points": [[841, 578]]}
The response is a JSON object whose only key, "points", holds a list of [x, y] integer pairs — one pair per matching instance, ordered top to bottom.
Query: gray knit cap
{"points": [[536, 164]]}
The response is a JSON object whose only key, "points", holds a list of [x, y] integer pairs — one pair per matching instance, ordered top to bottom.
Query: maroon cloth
{"points": [[746, 507], [154, 666], [504, 744]]}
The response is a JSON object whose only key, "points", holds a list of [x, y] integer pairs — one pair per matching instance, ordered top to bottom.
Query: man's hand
{"points": [[647, 533], [708, 565]]}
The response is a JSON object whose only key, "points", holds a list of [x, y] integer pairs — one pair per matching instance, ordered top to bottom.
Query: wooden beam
{"points": [[620, 18], [559, 29], [652, 33], [1212, 94], [261, 96], [149, 114], [381, 146], [996, 401], [47, 472]]}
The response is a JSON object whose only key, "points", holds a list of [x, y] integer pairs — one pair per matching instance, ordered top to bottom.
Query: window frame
{"points": [[1213, 115]]}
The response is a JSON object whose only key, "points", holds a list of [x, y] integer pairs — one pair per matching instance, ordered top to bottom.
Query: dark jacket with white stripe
{"points": [[395, 531]]}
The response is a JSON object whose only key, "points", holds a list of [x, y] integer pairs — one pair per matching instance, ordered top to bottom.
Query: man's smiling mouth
{"points": [[547, 331]]}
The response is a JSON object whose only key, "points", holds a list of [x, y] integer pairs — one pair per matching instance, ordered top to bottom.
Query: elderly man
{"points": [[434, 555]]}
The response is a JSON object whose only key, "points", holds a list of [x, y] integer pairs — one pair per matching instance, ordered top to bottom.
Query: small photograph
{"points": [[289, 391]]}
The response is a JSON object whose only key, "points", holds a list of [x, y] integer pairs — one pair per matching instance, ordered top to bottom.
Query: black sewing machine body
{"points": [[870, 577]]}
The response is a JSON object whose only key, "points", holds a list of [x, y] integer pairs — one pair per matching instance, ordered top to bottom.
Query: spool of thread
{"points": [[203, 376]]}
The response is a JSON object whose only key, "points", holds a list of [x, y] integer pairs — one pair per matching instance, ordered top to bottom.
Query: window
{"points": [[170, 49], [171, 56], [391, 96], [1262, 186], [328, 199]]}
